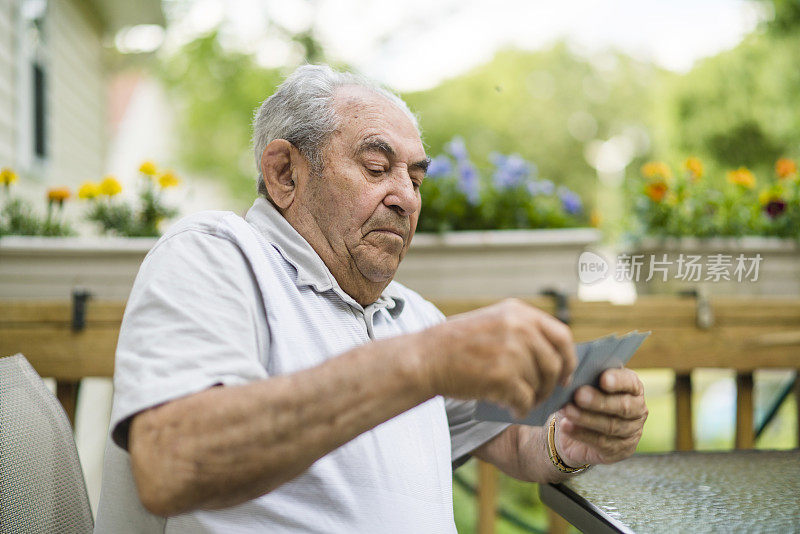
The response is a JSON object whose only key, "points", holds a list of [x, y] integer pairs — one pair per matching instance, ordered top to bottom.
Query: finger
{"points": [[560, 336], [547, 361], [529, 371], [621, 381], [519, 396], [618, 405], [605, 424], [609, 448]]}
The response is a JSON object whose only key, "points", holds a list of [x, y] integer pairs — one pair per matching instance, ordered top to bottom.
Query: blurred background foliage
{"points": [[215, 92], [543, 105], [553, 107]]}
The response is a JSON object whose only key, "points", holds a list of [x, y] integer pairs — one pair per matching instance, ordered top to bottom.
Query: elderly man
{"points": [[343, 398]]}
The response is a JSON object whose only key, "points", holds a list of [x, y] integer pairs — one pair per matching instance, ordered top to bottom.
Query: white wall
{"points": [[8, 80], [77, 94]]}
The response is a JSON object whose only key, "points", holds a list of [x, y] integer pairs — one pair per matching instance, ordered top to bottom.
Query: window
{"points": [[32, 90], [39, 109]]}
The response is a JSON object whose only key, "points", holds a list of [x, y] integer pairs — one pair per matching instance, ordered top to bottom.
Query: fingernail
{"points": [[611, 381]]}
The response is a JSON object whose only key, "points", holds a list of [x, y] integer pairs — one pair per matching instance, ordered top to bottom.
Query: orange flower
{"points": [[695, 167], [785, 168], [656, 169], [743, 177], [656, 190], [58, 194], [595, 218]]}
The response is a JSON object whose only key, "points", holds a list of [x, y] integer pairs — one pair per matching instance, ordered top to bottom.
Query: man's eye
{"points": [[377, 171]]}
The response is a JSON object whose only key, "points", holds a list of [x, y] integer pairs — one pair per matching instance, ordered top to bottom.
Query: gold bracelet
{"points": [[553, 453]]}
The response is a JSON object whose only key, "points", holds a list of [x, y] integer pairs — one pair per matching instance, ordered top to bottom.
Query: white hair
{"points": [[301, 112]]}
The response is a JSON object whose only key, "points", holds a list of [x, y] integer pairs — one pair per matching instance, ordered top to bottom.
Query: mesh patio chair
{"points": [[41, 482]]}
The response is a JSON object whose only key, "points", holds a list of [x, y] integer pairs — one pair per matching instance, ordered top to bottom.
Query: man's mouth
{"points": [[391, 231]]}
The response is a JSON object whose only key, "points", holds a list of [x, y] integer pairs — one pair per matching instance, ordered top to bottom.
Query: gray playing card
{"points": [[594, 357]]}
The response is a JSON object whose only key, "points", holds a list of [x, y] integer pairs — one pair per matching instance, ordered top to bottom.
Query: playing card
{"points": [[594, 357]]}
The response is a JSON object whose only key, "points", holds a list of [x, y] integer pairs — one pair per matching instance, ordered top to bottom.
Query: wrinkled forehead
{"points": [[361, 112]]}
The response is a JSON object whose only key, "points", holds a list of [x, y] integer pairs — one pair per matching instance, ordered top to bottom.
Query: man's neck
{"points": [[346, 273]]}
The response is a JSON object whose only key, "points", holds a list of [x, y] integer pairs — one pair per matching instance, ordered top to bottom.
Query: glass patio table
{"points": [[737, 491]]}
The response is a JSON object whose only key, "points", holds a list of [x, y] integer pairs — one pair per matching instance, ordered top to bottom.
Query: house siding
{"points": [[77, 95], [75, 99], [8, 120]]}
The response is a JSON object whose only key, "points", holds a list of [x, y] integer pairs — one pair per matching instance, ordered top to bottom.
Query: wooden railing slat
{"points": [[44, 311], [58, 352], [67, 394], [797, 403], [684, 423], [745, 438], [487, 497]]}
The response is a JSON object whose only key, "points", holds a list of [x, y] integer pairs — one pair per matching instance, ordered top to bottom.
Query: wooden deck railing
{"points": [[742, 334]]}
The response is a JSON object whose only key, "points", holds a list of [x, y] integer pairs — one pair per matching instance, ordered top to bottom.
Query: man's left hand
{"points": [[602, 426]]}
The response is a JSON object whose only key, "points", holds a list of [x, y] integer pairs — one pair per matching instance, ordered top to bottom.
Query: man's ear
{"points": [[278, 167]]}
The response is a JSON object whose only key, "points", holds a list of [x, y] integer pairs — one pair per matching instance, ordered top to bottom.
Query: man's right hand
{"points": [[509, 353]]}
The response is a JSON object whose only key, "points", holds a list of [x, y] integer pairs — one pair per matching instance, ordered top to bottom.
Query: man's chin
{"points": [[379, 270]]}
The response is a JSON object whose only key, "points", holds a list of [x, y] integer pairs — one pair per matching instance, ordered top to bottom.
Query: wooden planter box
{"points": [[491, 264], [495, 264], [51, 267], [778, 270]]}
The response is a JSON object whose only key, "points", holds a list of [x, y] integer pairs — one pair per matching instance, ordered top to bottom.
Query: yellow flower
{"points": [[694, 166], [148, 168], [785, 168], [656, 169], [7, 176], [743, 177], [168, 179], [110, 186], [88, 190], [656, 190], [58, 194], [671, 198], [596, 218]]}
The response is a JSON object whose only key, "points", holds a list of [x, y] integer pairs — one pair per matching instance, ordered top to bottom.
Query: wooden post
{"points": [[67, 394], [797, 403], [684, 430], [745, 438], [487, 497], [555, 523]]}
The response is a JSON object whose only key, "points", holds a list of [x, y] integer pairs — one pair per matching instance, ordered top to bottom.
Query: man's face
{"points": [[366, 202]]}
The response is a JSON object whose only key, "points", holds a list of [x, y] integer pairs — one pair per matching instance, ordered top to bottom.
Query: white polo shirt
{"points": [[226, 300]]}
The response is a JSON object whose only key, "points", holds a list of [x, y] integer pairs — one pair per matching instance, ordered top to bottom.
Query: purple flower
{"points": [[458, 149], [497, 159], [440, 166], [511, 170], [468, 182], [541, 187], [570, 201], [775, 207]]}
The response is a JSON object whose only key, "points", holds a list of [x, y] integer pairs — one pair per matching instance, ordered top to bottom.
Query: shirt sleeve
{"points": [[194, 319], [466, 432]]}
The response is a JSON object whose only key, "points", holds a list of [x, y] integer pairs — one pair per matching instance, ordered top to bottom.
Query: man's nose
{"points": [[402, 197]]}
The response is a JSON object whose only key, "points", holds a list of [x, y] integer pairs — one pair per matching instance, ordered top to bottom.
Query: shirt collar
{"points": [[311, 270]]}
